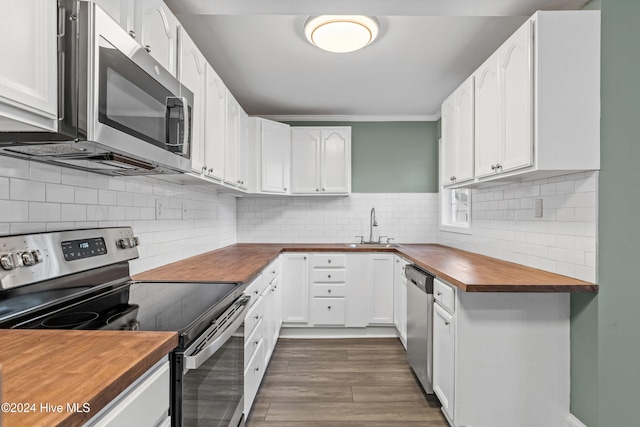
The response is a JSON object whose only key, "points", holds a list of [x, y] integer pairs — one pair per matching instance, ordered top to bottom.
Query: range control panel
{"points": [[30, 258]]}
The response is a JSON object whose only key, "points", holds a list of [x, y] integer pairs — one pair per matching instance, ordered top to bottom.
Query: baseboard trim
{"points": [[369, 332], [573, 421]]}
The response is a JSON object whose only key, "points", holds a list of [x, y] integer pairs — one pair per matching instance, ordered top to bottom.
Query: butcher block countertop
{"points": [[468, 271], [42, 367]]}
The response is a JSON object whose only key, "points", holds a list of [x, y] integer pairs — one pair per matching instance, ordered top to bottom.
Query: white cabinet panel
{"points": [[159, 32], [515, 58], [28, 75], [192, 75], [216, 101], [487, 117], [232, 133], [457, 135], [243, 151], [275, 154], [305, 155], [336, 161], [295, 288], [382, 288], [400, 298], [328, 311], [443, 358], [144, 403]]}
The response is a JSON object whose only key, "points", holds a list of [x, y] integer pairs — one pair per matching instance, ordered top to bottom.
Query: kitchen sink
{"points": [[371, 245]]}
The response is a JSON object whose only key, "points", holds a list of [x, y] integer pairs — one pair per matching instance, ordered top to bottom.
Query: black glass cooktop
{"points": [[146, 306]]}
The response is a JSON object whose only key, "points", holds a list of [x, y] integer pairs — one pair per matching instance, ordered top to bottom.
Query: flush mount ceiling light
{"points": [[341, 33]]}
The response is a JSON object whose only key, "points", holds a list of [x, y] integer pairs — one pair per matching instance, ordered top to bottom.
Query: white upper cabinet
{"points": [[122, 11], [158, 32], [28, 75], [192, 75], [537, 104], [487, 117], [214, 125], [232, 134], [457, 135], [516, 146], [243, 151], [305, 154], [275, 156], [320, 160]]}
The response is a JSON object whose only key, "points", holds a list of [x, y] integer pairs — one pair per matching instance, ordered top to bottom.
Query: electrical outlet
{"points": [[537, 208], [160, 211]]}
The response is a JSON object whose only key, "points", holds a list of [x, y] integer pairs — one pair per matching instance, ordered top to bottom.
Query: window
{"points": [[455, 214]]}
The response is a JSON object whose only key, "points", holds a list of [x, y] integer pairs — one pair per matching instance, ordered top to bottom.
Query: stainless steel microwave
{"points": [[119, 111]]}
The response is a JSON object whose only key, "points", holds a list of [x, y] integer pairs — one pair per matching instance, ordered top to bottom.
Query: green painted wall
{"points": [[391, 157], [618, 216]]}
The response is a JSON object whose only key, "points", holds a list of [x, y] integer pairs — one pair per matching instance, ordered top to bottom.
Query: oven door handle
{"points": [[195, 360]]}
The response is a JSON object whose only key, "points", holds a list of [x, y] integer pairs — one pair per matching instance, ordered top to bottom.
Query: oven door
{"points": [[209, 374]]}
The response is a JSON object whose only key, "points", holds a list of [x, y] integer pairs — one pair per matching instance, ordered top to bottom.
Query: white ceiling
{"points": [[425, 49]]}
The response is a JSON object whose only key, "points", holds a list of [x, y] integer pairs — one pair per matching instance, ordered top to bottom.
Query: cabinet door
{"points": [[122, 11], [159, 32], [28, 75], [192, 75], [517, 100], [216, 101], [487, 117], [463, 119], [232, 133], [448, 142], [243, 151], [276, 156], [335, 158], [305, 160], [295, 283], [382, 288], [400, 299], [268, 323], [443, 358]]}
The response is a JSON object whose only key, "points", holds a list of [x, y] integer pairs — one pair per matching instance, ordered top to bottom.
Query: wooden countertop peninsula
{"points": [[468, 271], [43, 367]]}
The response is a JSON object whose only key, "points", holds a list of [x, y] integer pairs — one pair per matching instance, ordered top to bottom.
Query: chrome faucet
{"points": [[372, 223]]}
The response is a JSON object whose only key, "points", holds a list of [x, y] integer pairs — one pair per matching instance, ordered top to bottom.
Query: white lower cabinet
{"points": [[381, 282], [400, 298], [295, 299], [261, 327], [443, 358], [498, 358], [144, 403]]}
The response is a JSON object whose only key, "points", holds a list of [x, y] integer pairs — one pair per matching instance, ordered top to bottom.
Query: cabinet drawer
{"points": [[328, 260], [273, 270], [328, 276], [255, 288], [337, 290], [444, 294], [328, 311], [253, 316], [252, 342], [253, 376]]}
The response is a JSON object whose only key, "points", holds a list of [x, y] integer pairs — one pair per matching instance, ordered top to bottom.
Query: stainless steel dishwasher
{"points": [[420, 324]]}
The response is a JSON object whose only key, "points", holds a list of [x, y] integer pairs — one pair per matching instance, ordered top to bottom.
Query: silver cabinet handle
{"points": [[132, 34], [147, 48], [498, 166], [493, 167], [317, 189], [305, 258], [329, 261], [329, 276], [329, 291], [439, 293], [329, 308], [446, 323]]}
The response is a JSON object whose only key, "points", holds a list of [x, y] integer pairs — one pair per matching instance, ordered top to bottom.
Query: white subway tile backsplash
{"points": [[23, 189], [61, 199], [405, 217], [562, 241]]}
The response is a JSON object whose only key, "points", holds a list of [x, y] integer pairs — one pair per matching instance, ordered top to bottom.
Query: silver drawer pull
{"points": [[329, 291], [439, 293], [329, 308], [446, 323]]}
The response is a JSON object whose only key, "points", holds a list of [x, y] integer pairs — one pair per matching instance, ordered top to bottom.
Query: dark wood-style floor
{"points": [[342, 383]]}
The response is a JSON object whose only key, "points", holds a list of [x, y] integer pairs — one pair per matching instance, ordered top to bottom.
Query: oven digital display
{"points": [[85, 248]]}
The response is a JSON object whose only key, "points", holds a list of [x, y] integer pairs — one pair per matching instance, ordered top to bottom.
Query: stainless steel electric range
{"points": [[79, 279]]}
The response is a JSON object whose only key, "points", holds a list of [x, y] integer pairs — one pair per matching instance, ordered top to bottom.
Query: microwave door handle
{"points": [[182, 104], [196, 360]]}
